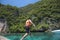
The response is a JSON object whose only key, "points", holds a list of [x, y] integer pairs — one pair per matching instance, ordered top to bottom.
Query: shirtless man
{"points": [[27, 27]]}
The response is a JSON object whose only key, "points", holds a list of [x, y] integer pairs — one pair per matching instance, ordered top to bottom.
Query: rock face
{"points": [[3, 25], [3, 38]]}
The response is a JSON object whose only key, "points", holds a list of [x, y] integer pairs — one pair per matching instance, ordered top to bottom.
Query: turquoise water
{"points": [[35, 36]]}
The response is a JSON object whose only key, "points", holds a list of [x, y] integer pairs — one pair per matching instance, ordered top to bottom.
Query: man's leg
{"points": [[24, 36]]}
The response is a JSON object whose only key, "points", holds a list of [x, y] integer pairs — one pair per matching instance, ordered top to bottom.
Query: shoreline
{"points": [[3, 38]]}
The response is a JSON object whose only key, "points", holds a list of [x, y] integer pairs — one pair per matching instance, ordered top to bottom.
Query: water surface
{"points": [[35, 36]]}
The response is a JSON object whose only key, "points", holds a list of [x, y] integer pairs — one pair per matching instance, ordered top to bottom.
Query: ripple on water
{"points": [[36, 36]]}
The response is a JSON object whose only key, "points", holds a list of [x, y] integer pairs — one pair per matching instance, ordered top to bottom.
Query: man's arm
{"points": [[32, 23]]}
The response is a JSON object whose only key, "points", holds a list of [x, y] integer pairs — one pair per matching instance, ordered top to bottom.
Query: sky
{"points": [[18, 3]]}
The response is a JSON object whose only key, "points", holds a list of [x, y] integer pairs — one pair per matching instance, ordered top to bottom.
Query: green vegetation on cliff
{"points": [[43, 13]]}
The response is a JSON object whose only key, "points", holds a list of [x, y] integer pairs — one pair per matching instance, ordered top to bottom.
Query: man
{"points": [[27, 27]]}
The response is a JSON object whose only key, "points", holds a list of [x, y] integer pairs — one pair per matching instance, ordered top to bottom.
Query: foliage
{"points": [[43, 13]]}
